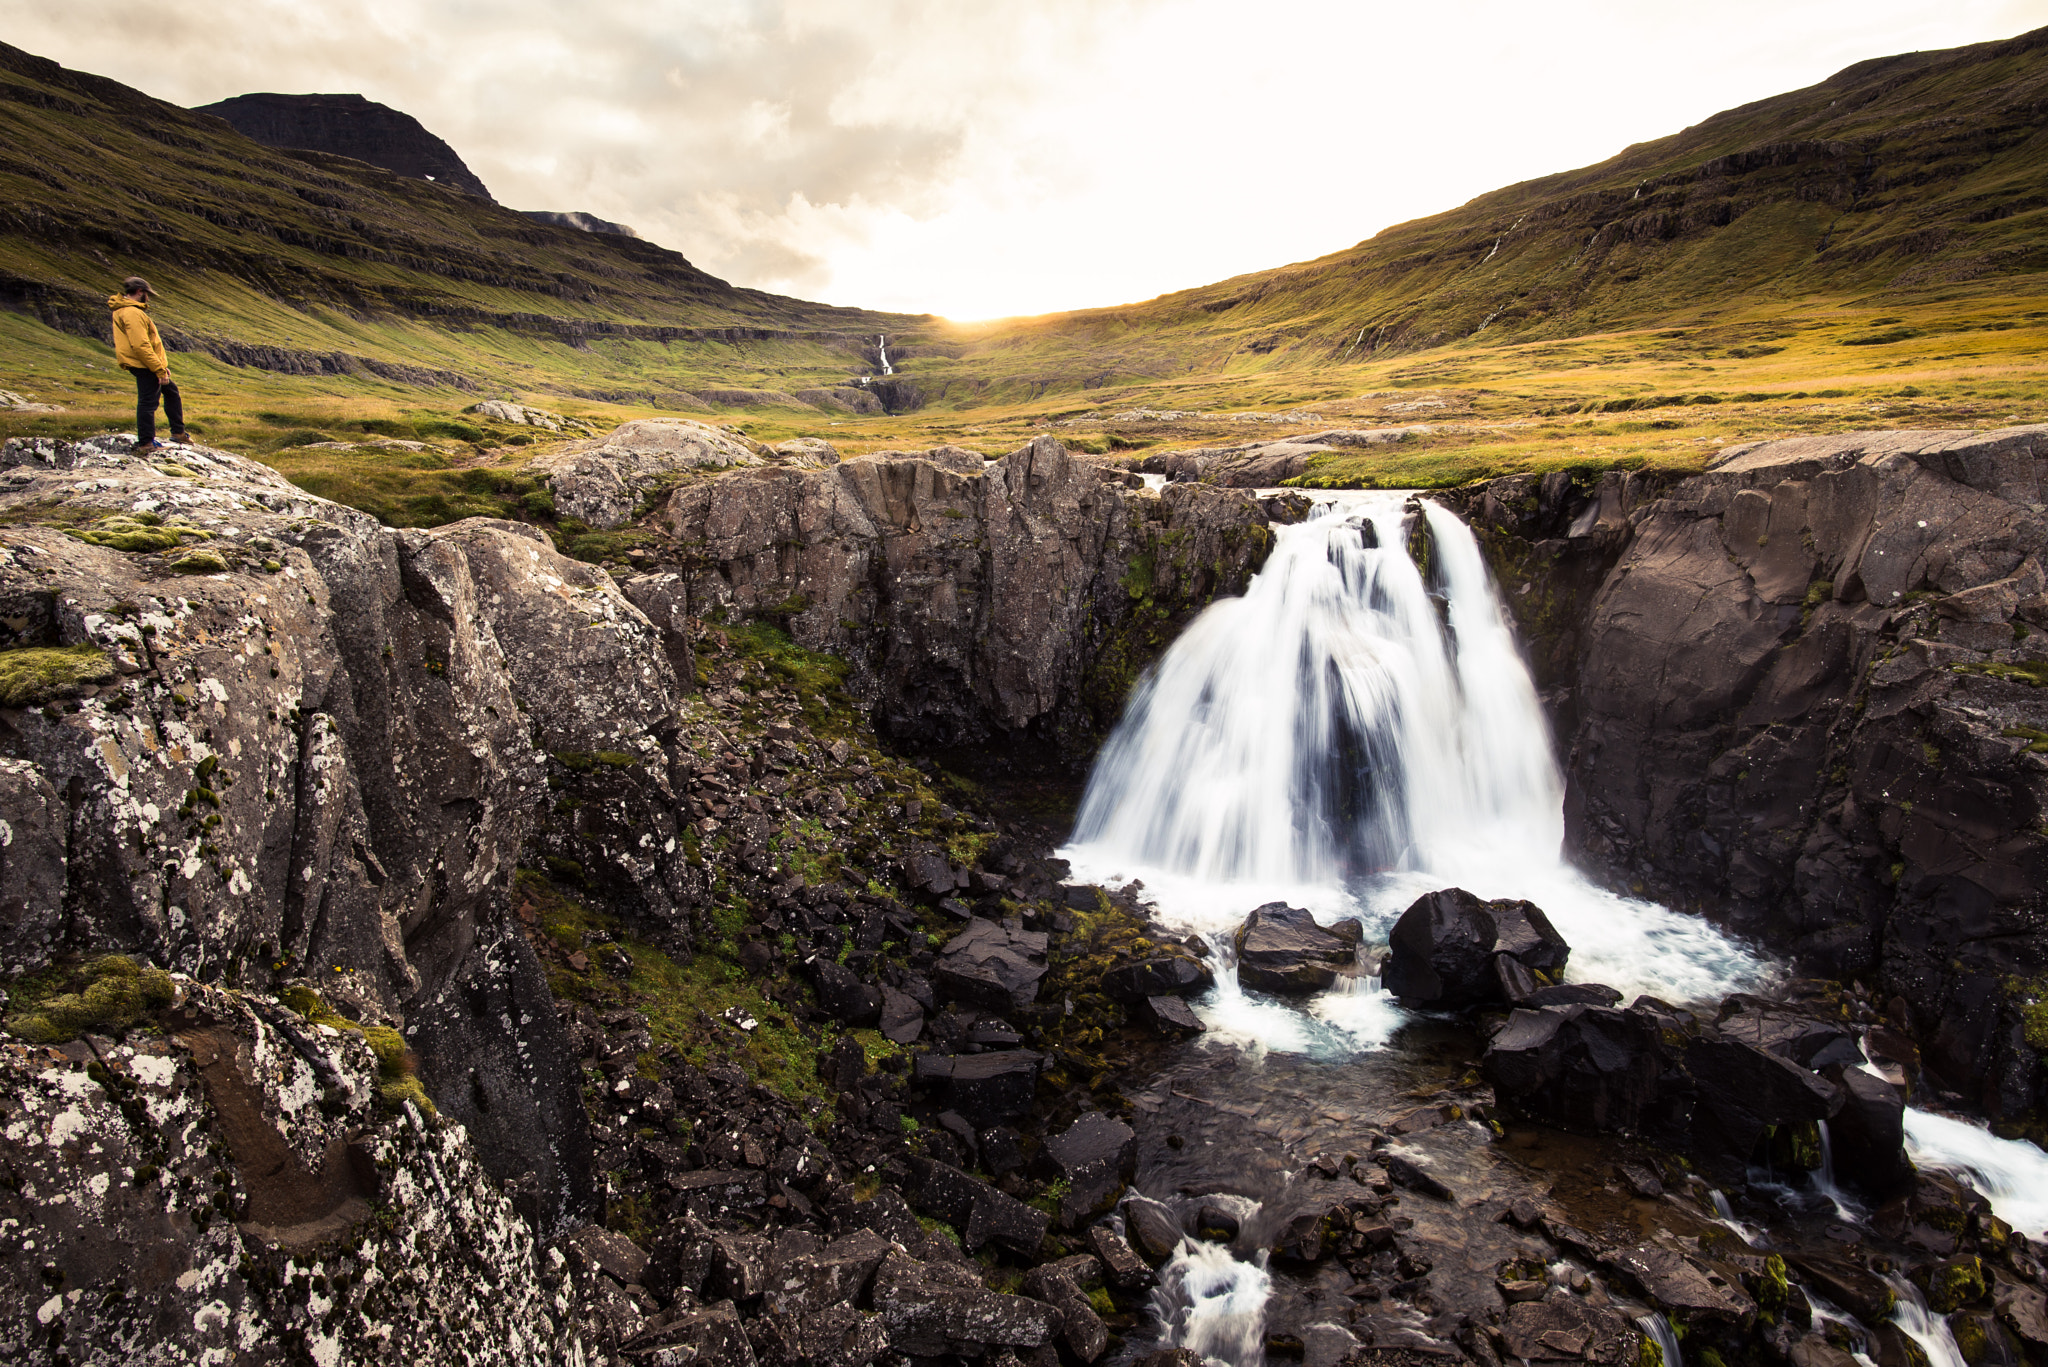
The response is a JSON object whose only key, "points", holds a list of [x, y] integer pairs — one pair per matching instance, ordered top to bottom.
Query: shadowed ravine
{"points": [[1355, 731]]}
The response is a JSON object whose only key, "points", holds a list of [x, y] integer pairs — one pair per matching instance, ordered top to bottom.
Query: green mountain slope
{"points": [[1895, 180], [307, 263]]}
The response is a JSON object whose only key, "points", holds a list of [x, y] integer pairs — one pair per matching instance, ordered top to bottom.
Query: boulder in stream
{"points": [[1281, 949], [1452, 949], [1095, 1156]]}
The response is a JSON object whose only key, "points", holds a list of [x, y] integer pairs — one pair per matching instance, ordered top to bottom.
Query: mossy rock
{"points": [[199, 562], [35, 675], [116, 994], [1954, 1284]]}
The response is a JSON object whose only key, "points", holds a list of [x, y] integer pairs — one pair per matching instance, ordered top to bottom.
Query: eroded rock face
{"points": [[604, 480], [971, 600], [1804, 702], [322, 745], [177, 1187]]}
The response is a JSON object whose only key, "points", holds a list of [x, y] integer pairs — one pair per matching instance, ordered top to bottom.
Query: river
{"points": [[1356, 730]]}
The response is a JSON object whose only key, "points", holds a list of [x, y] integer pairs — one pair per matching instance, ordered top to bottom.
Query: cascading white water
{"points": [[882, 350], [1347, 736], [2011, 1173], [1210, 1302], [1924, 1327], [1660, 1332]]}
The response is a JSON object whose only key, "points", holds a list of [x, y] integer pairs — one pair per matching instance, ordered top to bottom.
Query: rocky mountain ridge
{"points": [[348, 126]]}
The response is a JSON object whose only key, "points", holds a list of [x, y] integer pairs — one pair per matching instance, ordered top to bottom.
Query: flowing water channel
{"points": [[1356, 730]]}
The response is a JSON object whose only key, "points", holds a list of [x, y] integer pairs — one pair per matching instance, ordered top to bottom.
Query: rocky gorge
{"points": [[424, 946]]}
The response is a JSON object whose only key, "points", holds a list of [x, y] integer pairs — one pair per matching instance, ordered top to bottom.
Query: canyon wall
{"points": [[1801, 693]]}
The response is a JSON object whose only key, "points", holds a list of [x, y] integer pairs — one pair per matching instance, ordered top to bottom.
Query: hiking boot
{"points": [[181, 439], [144, 448]]}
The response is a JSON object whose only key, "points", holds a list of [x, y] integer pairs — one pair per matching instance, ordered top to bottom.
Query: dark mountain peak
{"points": [[349, 126], [581, 222]]}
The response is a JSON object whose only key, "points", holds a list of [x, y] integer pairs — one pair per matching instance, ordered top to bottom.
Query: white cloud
{"points": [[1004, 156]]}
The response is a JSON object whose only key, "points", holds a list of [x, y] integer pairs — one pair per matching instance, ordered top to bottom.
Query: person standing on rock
{"points": [[140, 352]]}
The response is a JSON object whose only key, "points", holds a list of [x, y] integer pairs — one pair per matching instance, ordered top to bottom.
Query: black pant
{"points": [[148, 389]]}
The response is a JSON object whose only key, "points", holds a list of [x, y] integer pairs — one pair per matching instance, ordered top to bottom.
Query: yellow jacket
{"points": [[136, 343]]}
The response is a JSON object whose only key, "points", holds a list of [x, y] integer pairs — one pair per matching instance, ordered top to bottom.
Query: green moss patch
{"points": [[35, 675], [104, 997], [397, 1076]]}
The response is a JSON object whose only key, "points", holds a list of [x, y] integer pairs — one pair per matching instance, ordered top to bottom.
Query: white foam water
{"points": [[1347, 736], [2012, 1174], [1213, 1304]]}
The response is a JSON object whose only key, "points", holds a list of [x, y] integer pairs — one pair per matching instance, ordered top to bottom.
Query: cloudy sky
{"points": [[978, 158]]}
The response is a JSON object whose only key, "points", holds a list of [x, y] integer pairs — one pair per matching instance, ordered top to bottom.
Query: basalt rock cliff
{"points": [[1802, 692], [356, 878]]}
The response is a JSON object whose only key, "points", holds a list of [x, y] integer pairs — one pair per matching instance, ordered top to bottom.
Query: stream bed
{"points": [[1355, 731]]}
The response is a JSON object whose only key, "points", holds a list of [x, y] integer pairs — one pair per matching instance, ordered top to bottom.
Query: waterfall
{"points": [[882, 349], [1356, 731], [2011, 1173], [1210, 1302], [1923, 1326], [1659, 1331]]}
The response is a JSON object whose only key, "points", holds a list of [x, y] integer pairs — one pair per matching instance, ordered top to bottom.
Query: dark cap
{"points": [[135, 284]]}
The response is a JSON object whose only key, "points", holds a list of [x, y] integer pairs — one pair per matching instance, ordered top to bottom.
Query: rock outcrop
{"points": [[349, 126], [1264, 464], [610, 480], [971, 600], [1807, 700], [1282, 949], [1451, 949], [235, 1191]]}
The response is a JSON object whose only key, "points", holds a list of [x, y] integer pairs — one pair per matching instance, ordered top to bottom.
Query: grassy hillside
{"points": [[1867, 252], [311, 264]]}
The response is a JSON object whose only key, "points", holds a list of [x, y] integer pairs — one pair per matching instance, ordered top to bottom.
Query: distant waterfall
{"points": [[882, 349], [1357, 730]]}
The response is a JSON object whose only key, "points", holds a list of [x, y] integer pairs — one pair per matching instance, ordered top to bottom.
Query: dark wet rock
{"points": [[1786, 684], [31, 864], [1445, 947], [1281, 949], [992, 966], [1165, 976], [1572, 994], [843, 996], [1171, 1016], [902, 1019], [1796, 1035], [1660, 1074], [985, 1088], [1747, 1091], [1868, 1133], [1002, 1150], [1094, 1156], [1412, 1176], [982, 1214], [1216, 1224], [1154, 1230], [1125, 1270], [1680, 1286], [1856, 1289], [933, 1309], [2023, 1309], [1081, 1330], [1569, 1330], [713, 1336], [836, 1336], [1815, 1351], [1171, 1357]]}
